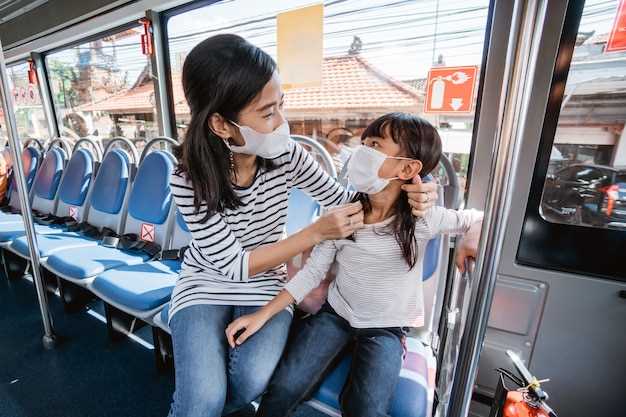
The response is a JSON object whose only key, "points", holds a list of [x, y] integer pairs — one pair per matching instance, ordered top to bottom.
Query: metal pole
{"points": [[520, 63], [159, 74], [44, 94], [22, 191]]}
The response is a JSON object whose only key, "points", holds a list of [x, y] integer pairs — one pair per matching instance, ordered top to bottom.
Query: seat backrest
{"points": [[31, 158], [77, 178], [47, 180], [110, 191], [150, 207], [301, 211], [180, 235]]}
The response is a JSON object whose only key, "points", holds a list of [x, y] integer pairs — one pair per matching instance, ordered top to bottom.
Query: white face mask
{"points": [[265, 145], [363, 169]]}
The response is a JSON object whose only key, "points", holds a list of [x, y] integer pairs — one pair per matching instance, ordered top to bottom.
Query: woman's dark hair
{"points": [[222, 74], [419, 140]]}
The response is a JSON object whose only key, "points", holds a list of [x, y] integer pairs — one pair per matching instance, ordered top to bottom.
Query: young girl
{"points": [[377, 293]]}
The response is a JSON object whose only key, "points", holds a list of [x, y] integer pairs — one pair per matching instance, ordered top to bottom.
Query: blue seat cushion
{"points": [[10, 218], [11, 231], [51, 243], [86, 262], [140, 287], [410, 398]]}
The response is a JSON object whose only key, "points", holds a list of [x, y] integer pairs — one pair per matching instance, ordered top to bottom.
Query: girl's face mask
{"points": [[265, 145], [363, 168]]}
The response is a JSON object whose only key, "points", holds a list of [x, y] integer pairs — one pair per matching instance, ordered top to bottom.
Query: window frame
{"points": [[44, 59], [23, 61], [577, 249]]}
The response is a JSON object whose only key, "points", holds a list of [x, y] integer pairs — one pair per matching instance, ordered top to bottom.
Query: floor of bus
{"points": [[87, 375]]}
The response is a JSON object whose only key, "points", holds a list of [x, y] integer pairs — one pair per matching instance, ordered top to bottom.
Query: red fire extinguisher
{"points": [[525, 399]]}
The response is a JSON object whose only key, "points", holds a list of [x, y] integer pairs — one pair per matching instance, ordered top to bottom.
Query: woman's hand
{"points": [[422, 195], [338, 222], [468, 246], [252, 323]]}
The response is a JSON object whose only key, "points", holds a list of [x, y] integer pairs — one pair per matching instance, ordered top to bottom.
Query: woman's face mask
{"points": [[265, 145], [363, 168]]}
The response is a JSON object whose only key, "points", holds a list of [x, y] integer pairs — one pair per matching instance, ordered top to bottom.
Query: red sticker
{"points": [[617, 37], [450, 89], [74, 212], [147, 232]]}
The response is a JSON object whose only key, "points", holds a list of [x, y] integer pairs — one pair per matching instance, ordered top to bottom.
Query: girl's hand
{"points": [[422, 195], [339, 222], [467, 248], [252, 323]]}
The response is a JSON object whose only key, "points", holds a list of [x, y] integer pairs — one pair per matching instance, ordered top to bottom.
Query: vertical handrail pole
{"points": [[520, 66], [22, 191]]}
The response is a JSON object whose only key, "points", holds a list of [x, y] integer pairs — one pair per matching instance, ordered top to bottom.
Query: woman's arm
{"points": [[307, 175], [338, 223], [224, 252], [296, 289], [252, 323]]}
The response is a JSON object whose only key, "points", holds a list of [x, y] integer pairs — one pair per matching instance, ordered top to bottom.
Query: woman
{"points": [[237, 165]]}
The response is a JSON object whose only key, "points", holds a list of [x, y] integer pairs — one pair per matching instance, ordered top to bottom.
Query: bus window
{"points": [[376, 60], [103, 88], [29, 114], [588, 157]]}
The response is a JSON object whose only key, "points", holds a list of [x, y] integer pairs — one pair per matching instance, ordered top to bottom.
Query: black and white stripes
{"points": [[215, 268]]}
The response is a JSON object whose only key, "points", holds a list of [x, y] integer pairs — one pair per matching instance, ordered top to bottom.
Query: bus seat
{"points": [[31, 158], [45, 188], [104, 208], [149, 209], [301, 211], [142, 290], [161, 318]]}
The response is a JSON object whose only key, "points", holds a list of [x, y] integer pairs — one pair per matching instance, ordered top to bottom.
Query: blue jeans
{"points": [[316, 347], [211, 378]]}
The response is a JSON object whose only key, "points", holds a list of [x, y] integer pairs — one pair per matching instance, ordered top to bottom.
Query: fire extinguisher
{"points": [[437, 93], [526, 399]]}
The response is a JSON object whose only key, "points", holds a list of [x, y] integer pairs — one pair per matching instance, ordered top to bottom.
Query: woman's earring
{"points": [[232, 162]]}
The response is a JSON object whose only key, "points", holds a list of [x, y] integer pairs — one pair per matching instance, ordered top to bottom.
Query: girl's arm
{"points": [[466, 222], [295, 290]]}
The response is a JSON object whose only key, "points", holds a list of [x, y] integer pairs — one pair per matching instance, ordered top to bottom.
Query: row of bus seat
{"points": [[101, 223]]}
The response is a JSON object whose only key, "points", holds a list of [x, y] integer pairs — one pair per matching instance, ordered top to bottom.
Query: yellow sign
{"points": [[300, 41]]}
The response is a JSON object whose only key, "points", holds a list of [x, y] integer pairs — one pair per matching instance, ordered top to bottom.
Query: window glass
{"points": [[377, 55], [103, 88], [29, 114], [590, 135]]}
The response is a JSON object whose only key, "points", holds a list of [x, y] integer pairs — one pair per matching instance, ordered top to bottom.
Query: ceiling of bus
{"points": [[10, 9], [25, 20]]}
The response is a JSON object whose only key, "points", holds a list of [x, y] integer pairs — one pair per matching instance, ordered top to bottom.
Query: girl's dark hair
{"points": [[222, 74], [419, 140]]}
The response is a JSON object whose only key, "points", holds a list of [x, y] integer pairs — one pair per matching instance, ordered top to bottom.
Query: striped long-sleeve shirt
{"points": [[215, 267], [374, 286]]}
